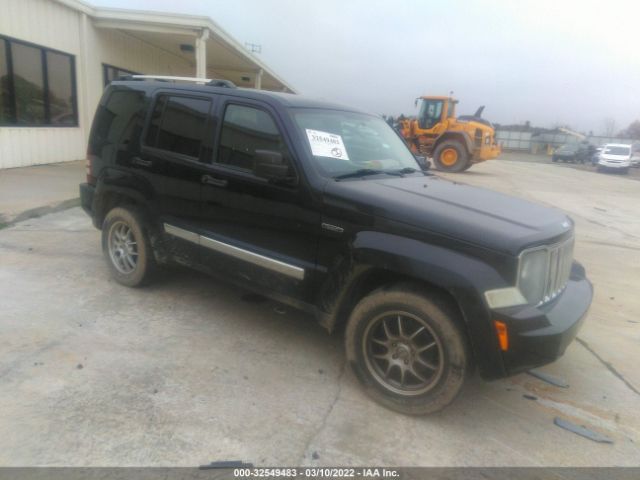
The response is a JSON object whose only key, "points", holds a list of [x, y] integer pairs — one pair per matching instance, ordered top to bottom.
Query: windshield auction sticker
{"points": [[325, 144]]}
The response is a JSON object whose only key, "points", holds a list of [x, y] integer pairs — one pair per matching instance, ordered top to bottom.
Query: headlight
{"points": [[543, 273], [532, 275]]}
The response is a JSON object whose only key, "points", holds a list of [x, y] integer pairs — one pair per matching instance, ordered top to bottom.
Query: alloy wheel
{"points": [[123, 248], [403, 353]]}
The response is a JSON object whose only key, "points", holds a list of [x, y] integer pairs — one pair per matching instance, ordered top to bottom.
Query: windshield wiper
{"points": [[407, 170], [363, 172]]}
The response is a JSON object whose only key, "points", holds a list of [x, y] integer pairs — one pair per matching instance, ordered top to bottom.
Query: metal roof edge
{"points": [[173, 19]]}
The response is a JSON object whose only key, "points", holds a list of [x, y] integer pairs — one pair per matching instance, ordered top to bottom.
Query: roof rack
{"points": [[212, 82]]}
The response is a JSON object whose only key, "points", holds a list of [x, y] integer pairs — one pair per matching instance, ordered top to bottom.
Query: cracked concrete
{"points": [[609, 367], [185, 372], [307, 455]]}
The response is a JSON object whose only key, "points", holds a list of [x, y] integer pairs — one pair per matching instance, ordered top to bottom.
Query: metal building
{"points": [[56, 56]]}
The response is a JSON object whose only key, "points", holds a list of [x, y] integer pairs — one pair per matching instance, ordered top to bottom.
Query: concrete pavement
{"points": [[33, 191], [186, 371]]}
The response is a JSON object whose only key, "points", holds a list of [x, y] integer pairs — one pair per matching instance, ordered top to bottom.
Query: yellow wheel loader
{"points": [[453, 143]]}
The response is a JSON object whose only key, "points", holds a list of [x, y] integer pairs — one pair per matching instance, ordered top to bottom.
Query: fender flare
{"points": [[462, 137], [113, 182], [461, 276]]}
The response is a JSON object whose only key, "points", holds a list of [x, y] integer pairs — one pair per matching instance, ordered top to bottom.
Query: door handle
{"points": [[141, 162], [216, 182]]}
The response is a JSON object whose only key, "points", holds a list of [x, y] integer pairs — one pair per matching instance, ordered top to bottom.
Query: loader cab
{"points": [[434, 110]]}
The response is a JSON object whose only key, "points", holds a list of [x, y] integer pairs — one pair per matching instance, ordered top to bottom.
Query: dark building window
{"points": [[110, 73], [37, 86], [61, 90], [5, 100], [179, 124], [245, 130]]}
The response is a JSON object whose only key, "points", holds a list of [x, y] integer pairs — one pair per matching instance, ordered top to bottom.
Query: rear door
{"points": [[176, 145], [257, 231]]}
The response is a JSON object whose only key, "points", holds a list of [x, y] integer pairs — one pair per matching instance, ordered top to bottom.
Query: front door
{"points": [[257, 231]]}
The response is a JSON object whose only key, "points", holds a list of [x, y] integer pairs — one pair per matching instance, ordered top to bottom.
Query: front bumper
{"points": [[613, 164], [539, 335]]}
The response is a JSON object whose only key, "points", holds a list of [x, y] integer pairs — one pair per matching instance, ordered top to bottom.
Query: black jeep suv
{"points": [[324, 208]]}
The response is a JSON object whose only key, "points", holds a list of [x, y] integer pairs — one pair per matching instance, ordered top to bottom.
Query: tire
{"points": [[450, 156], [126, 247], [443, 364]]}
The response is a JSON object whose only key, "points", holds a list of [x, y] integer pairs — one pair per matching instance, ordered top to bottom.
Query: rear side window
{"points": [[118, 121], [179, 125], [245, 130]]}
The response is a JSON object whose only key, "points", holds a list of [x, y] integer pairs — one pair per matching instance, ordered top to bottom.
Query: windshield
{"points": [[345, 142], [568, 148], [617, 151]]}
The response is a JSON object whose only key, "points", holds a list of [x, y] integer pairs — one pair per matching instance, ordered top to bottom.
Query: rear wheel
{"points": [[451, 156], [126, 247], [407, 350]]}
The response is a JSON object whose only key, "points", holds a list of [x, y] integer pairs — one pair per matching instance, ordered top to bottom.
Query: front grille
{"points": [[560, 260]]}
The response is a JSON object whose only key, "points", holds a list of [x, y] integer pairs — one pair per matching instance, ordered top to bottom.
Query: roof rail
{"points": [[215, 82]]}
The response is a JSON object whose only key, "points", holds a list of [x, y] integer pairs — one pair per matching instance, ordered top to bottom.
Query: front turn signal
{"points": [[503, 335]]}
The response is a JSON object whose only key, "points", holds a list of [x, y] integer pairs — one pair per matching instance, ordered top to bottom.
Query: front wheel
{"points": [[451, 156], [407, 350]]}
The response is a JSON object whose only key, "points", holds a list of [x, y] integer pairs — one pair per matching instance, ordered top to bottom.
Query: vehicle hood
{"points": [[462, 212]]}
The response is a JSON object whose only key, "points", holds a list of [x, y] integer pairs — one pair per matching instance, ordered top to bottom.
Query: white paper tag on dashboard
{"points": [[325, 144]]}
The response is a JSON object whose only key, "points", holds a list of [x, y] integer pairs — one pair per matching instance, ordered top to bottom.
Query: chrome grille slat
{"points": [[560, 260]]}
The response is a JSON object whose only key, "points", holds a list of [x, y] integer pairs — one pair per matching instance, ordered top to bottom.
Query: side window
{"points": [[118, 122], [179, 125], [245, 130]]}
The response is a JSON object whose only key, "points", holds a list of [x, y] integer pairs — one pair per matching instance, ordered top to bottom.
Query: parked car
{"points": [[571, 152], [596, 155], [635, 155], [615, 156], [324, 208]]}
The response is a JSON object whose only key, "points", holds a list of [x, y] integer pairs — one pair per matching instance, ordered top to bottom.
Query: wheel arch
{"points": [[461, 137], [118, 189], [437, 271]]}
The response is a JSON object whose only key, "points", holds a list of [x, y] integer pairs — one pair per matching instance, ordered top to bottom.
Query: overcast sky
{"points": [[574, 62]]}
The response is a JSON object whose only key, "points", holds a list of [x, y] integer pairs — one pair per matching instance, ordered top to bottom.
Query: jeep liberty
{"points": [[324, 208]]}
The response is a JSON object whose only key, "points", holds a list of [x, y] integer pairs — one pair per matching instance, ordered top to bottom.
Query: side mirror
{"points": [[423, 162], [270, 165]]}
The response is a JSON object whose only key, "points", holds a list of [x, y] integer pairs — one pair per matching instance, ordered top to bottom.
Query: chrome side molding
{"points": [[332, 228], [236, 252]]}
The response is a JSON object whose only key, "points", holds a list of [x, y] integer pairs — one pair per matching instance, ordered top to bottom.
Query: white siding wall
{"points": [[50, 24], [124, 50]]}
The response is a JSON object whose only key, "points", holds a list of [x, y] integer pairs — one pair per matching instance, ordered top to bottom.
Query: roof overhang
{"points": [[225, 55]]}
